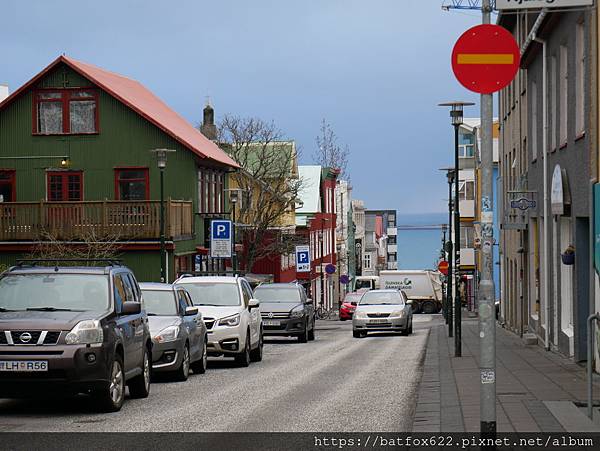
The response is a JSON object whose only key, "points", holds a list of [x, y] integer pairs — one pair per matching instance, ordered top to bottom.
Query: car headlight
{"points": [[298, 312], [398, 313], [360, 314], [230, 321], [85, 332], [167, 334]]}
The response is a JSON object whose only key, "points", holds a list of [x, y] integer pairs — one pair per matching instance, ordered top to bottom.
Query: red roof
{"points": [[142, 101]]}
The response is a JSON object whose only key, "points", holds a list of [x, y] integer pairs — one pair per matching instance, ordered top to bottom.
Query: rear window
{"points": [[79, 292]]}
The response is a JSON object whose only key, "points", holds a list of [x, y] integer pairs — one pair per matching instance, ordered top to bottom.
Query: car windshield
{"points": [[364, 283], [54, 292], [218, 294], [279, 294], [352, 297], [382, 298], [160, 302]]}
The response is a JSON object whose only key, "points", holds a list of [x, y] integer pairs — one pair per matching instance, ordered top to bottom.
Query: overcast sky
{"points": [[374, 69]]}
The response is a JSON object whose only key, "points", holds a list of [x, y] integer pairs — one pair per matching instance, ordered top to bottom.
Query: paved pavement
{"points": [[336, 383], [536, 389]]}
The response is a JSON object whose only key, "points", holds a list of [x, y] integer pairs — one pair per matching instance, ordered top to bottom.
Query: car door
{"points": [[308, 308], [254, 313], [136, 321], [187, 322], [124, 327], [200, 329]]}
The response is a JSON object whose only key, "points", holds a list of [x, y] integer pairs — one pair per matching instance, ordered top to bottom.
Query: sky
{"points": [[375, 70]]}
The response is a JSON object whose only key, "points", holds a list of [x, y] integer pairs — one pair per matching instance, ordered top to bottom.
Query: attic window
{"points": [[65, 111]]}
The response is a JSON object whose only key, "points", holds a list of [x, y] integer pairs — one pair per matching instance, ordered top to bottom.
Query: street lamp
{"points": [[456, 115], [161, 161], [233, 198], [445, 293], [450, 308]]}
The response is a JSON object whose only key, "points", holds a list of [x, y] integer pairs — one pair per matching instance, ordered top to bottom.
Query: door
{"points": [[7, 185], [64, 186], [254, 314], [188, 322], [199, 330]]}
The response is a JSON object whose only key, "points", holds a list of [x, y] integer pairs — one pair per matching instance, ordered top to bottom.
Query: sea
{"points": [[419, 248]]}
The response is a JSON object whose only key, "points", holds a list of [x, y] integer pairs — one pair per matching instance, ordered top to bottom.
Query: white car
{"points": [[231, 316]]}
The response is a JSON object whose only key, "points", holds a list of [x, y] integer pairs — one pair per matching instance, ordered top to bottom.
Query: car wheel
{"points": [[429, 308], [410, 328], [311, 333], [356, 333], [303, 338], [257, 354], [243, 359], [199, 367], [183, 372], [139, 386], [110, 398]]}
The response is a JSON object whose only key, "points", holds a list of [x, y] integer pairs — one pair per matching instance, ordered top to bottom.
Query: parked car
{"points": [[349, 305], [286, 310], [382, 310], [230, 314], [73, 329], [178, 333]]}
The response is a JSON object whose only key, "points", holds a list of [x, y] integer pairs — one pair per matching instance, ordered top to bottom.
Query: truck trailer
{"points": [[422, 287]]}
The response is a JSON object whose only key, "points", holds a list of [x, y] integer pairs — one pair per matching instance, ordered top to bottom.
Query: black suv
{"points": [[286, 310], [79, 329]]}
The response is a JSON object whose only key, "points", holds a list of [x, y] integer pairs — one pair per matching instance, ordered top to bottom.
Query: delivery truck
{"points": [[422, 287]]}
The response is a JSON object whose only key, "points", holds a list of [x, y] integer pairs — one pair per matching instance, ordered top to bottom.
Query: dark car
{"points": [[286, 311], [73, 329], [178, 331]]}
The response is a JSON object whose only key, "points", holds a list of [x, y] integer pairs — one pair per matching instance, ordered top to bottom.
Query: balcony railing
{"points": [[114, 220]]}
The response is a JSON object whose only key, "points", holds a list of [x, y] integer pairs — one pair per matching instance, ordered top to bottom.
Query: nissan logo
{"points": [[270, 314], [25, 337]]}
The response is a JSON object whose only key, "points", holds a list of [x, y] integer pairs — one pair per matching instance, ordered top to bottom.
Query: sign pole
{"points": [[486, 292]]}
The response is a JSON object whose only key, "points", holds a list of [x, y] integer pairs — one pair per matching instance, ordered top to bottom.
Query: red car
{"points": [[349, 305]]}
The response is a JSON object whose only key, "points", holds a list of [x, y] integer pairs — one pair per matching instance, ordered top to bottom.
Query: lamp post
{"points": [[456, 114], [161, 161], [233, 198], [449, 250]]}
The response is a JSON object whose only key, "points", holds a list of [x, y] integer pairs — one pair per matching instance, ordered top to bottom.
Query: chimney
{"points": [[3, 92], [208, 127]]}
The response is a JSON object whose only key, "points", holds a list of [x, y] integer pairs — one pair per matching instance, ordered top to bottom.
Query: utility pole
{"points": [[487, 328]]}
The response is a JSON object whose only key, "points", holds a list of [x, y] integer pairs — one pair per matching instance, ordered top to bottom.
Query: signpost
{"points": [[485, 58], [220, 238], [303, 258], [443, 267]]}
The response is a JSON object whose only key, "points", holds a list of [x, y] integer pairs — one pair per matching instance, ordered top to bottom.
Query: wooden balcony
{"points": [[113, 220]]}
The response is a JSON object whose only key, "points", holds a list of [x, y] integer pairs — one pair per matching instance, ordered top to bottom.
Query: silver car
{"points": [[382, 311], [179, 337]]}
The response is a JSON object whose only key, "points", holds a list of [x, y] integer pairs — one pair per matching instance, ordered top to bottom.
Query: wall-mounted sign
{"points": [[529, 4], [523, 204]]}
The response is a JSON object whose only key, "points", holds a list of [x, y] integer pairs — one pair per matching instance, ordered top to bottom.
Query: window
{"points": [[579, 79], [563, 85], [552, 108], [65, 111], [534, 120], [466, 145], [132, 184], [7, 185], [65, 186], [466, 190], [211, 191], [466, 237], [367, 261]]}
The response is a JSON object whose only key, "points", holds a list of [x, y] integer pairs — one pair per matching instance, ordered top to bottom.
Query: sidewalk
{"points": [[535, 389]]}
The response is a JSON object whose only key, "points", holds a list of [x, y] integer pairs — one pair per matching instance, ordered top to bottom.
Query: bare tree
{"points": [[329, 153], [268, 182]]}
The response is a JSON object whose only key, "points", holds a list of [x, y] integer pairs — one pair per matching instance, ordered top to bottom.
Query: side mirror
{"points": [[309, 301], [409, 301], [253, 304], [131, 308], [191, 311]]}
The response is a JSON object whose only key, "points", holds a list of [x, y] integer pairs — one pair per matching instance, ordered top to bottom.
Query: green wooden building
{"points": [[76, 164]]}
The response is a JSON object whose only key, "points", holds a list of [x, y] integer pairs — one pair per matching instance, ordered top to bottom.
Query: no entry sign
{"points": [[485, 58], [443, 267]]}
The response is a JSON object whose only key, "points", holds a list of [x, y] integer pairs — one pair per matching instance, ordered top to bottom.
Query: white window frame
{"points": [[579, 80], [563, 91], [534, 121], [367, 261]]}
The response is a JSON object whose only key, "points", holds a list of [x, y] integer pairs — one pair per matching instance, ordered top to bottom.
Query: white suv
{"points": [[231, 316]]}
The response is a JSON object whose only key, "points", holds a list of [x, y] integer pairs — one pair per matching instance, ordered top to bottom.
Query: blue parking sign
{"points": [[221, 230], [220, 238], [302, 258]]}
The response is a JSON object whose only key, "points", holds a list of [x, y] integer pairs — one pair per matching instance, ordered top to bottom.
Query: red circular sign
{"points": [[485, 58], [443, 267]]}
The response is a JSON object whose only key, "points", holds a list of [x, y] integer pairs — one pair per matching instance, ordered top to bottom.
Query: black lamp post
{"points": [[456, 114], [161, 161], [233, 198], [445, 291]]}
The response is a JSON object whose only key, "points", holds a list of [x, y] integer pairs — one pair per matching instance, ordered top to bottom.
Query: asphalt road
{"points": [[335, 383]]}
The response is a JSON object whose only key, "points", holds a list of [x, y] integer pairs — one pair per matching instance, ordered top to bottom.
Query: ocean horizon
{"points": [[420, 249]]}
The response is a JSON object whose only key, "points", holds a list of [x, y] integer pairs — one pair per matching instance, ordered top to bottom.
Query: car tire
{"points": [[429, 308], [410, 328], [311, 333], [356, 334], [303, 338], [256, 354], [243, 358], [199, 367], [182, 373], [139, 386], [110, 398]]}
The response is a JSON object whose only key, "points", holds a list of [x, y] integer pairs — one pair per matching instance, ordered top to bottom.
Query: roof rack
{"points": [[56, 261]]}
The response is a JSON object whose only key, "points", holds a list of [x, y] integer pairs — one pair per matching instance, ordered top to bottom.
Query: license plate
{"points": [[378, 321], [271, 322], [24, 365]]}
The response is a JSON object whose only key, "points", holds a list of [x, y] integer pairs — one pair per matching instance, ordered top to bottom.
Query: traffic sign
{"points": [[485, 58], [220, 238], [303, 258], [443, 267], [330, 268], [344, 279]]}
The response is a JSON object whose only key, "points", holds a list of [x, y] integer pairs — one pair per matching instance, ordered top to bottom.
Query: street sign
{"points": [[528, 4], [485, 58], [522, 204], [220, 238], [303, 258], [443, 267], [330, 269], [344, 279]]}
